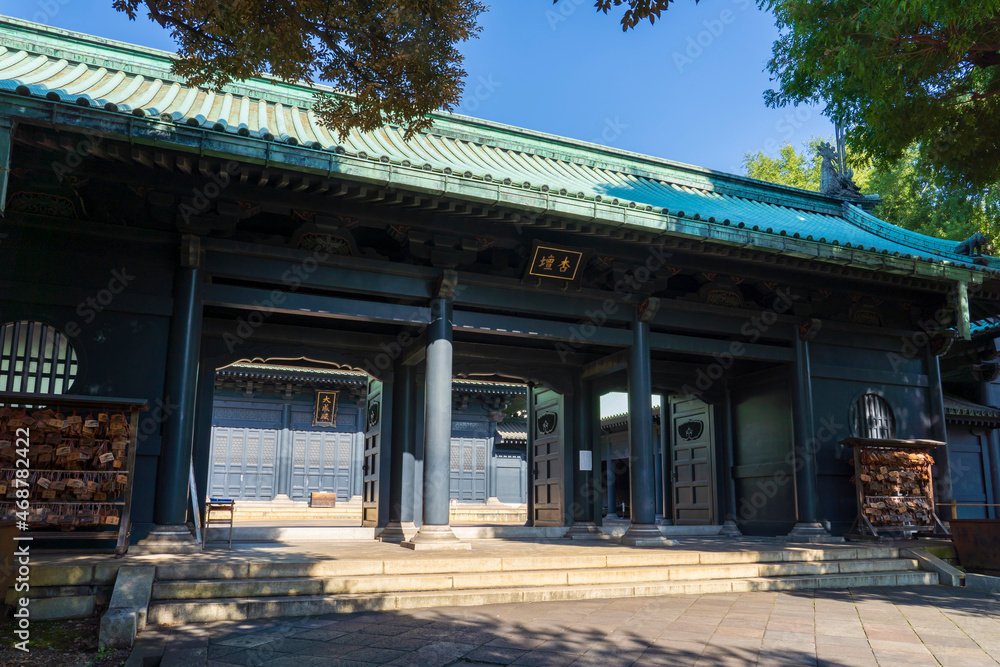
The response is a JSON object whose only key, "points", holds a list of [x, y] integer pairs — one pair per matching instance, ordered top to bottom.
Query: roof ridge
{"points": [[156, 63], [534, 171], [862, 219]]}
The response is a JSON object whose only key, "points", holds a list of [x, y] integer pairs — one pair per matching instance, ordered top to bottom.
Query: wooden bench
{"points": [[225, 507]]}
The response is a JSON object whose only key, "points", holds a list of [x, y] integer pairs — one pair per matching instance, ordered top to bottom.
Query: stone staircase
{"points": [[189, 592]]}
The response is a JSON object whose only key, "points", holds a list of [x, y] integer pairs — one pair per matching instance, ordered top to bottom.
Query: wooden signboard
{"points": [[560, 264], [325, 413], [322, 499]]}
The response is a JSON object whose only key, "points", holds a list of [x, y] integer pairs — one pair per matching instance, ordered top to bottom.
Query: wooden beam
{"points": [[349, 277], [267, 302], [719, 348], [614, 362]]}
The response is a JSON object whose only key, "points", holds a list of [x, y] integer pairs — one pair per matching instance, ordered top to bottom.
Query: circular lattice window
{"points": [[36, 359], [871, 417]]}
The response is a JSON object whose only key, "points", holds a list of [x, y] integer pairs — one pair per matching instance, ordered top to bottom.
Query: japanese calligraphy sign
{"points": [[549, 261], [326, 409]]}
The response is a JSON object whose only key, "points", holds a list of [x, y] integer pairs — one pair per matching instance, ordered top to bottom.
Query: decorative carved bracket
{"points": [[190, 251], [446, 284], [647, 309], [809, 329]]}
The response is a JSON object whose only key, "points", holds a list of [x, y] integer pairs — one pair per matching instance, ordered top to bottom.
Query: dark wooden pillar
{"points": [[6, 148], [181, 397], [437, 426], [203, 428], [640, 432], [991, 449], [401, 455], [531, 455], [283, 457], [666, 462], [658, 468], [599, 483], [584, 488], [943, 494], [807, 526], [729, 527], [435, 533]]}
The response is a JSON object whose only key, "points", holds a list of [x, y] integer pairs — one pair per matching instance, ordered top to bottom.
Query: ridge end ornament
{"points": [[835, 180], [972, 246]]}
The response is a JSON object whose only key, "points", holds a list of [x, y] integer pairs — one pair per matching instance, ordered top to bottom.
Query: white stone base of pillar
{"points": [[663, 521], [730, 529], [586, 530], [397, 531], [811, 532], [645, 535], [435, 537], [169, 540]]}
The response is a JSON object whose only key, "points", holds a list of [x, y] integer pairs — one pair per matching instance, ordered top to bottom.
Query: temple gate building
{"points": [[225, 257]]}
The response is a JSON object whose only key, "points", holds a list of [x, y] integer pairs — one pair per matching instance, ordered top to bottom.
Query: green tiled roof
{"points": [[464, 158], [988, 326], [273, 371], [489, 386], [960, 410], [513, 430]]}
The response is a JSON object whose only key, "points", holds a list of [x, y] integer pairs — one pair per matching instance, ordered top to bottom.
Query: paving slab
{"points": [[709, 629]]}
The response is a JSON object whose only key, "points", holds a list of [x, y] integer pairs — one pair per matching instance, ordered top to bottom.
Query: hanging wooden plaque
{"points": [[325, 413]]}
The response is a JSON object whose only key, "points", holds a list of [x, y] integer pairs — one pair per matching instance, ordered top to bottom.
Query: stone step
{"points": [[286, 533], [405, 566], [290, 586], [243, 608]]}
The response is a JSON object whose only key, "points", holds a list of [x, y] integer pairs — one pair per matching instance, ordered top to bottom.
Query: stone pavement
{"points": [[914, 626]]}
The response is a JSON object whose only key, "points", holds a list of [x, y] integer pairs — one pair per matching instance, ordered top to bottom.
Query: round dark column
{"points": [[180, 397], [640, 434], [401, 454], [585, 488], [807, 527], [435, 531], [170, 533]]}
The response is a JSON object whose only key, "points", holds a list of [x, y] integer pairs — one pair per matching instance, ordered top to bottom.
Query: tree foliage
{"points": [[637, 12], [397, 61], [896, 73], [899, 74], [798, 170], [912, 196]]}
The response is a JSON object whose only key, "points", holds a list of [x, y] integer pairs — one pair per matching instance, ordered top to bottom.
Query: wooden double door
{"points": [[546, 429], [262, 448], [692, 461]]}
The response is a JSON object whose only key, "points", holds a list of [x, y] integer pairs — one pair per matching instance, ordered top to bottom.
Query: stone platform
{"points": [[273, 580], [855, 627]]}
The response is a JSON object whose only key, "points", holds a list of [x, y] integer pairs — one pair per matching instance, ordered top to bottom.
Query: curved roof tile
{"points": [[62, 66]]}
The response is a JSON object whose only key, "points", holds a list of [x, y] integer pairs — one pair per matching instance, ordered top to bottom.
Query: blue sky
{"points": [[688, 88]]}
